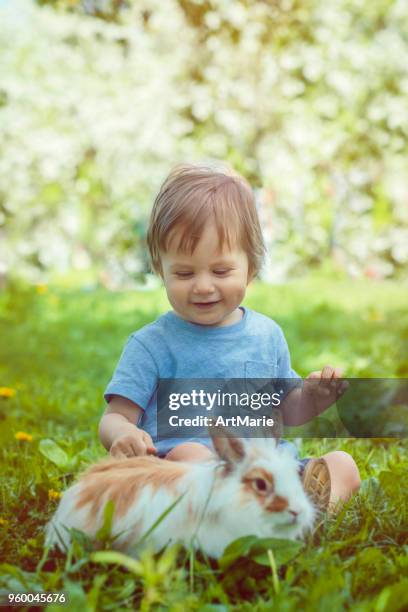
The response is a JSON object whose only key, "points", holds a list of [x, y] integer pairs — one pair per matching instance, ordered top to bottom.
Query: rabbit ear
{"points": [[277, 425], [270, 433], [227, 447]]}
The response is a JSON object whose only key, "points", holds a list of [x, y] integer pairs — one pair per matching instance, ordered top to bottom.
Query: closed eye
{"points": [[221, 272], [184, 274]]}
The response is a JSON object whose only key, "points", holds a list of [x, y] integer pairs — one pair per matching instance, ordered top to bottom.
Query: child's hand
{"points": [[324, 387], [133, 445]]}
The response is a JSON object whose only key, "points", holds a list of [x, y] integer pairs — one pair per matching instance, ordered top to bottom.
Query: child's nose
{"points": [[203, 284]]}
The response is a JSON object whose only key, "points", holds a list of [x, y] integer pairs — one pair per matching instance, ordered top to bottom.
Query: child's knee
{"points": [[189, 451], [345, 468]]}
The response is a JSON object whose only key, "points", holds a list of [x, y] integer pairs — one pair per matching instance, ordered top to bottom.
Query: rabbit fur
{"points": [[251, 487]]}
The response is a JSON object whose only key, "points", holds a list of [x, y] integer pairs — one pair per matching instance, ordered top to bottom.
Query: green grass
{"points": [[58, 350]]}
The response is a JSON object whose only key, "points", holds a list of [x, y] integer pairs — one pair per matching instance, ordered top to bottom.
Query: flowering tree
{"points": [[306, 98]]}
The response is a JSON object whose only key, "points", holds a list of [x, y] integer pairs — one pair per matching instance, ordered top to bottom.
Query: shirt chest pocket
{"points": [[260, 369]]}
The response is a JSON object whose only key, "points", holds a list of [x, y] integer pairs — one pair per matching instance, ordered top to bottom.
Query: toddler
{"points": [[205, 242]]}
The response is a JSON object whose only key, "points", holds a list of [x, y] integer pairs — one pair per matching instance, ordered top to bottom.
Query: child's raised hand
{"points": [[324, 387], [133, 445]]}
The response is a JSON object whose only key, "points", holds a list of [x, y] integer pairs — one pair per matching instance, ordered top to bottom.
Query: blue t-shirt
{"points": [[172, 347]]}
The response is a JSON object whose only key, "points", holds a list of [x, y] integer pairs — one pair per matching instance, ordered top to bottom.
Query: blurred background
{"points": [[100, 98]]}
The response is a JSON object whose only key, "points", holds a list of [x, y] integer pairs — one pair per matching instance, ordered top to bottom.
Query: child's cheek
{"points": [[173, 285], [172, 289], [179, 289], [235, 290]]}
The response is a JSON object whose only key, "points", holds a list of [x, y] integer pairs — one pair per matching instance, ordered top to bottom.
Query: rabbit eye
{"points": [[260, 484]]}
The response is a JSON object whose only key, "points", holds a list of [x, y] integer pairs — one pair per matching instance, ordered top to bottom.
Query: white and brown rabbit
{"points": [[252, 487]]}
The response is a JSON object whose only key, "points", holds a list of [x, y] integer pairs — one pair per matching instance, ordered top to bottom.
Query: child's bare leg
{"points": [[189, 451], [344, 476]]}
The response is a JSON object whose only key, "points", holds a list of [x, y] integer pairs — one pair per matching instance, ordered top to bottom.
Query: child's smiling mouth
{"points": [[205, 305]]}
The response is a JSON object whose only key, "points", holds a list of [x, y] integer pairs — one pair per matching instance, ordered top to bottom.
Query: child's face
{"points": [[208, 286]]}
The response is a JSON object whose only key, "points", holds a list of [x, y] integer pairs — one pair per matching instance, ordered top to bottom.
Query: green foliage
{"points": [[57, 352], [53, 452], [257, 549]]}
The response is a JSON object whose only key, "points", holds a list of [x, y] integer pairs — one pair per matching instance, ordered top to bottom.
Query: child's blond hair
{"points": [[192, 195]]}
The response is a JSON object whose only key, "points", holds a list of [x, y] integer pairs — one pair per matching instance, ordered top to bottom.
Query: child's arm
{"points": [[320, 390], [118, 431]]}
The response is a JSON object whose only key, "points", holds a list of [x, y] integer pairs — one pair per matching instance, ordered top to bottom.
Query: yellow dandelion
{"points": [[41, 289], [53, 299], [375, 315], [7, 392], [23, 436], [53, 495], [4, 522]]}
